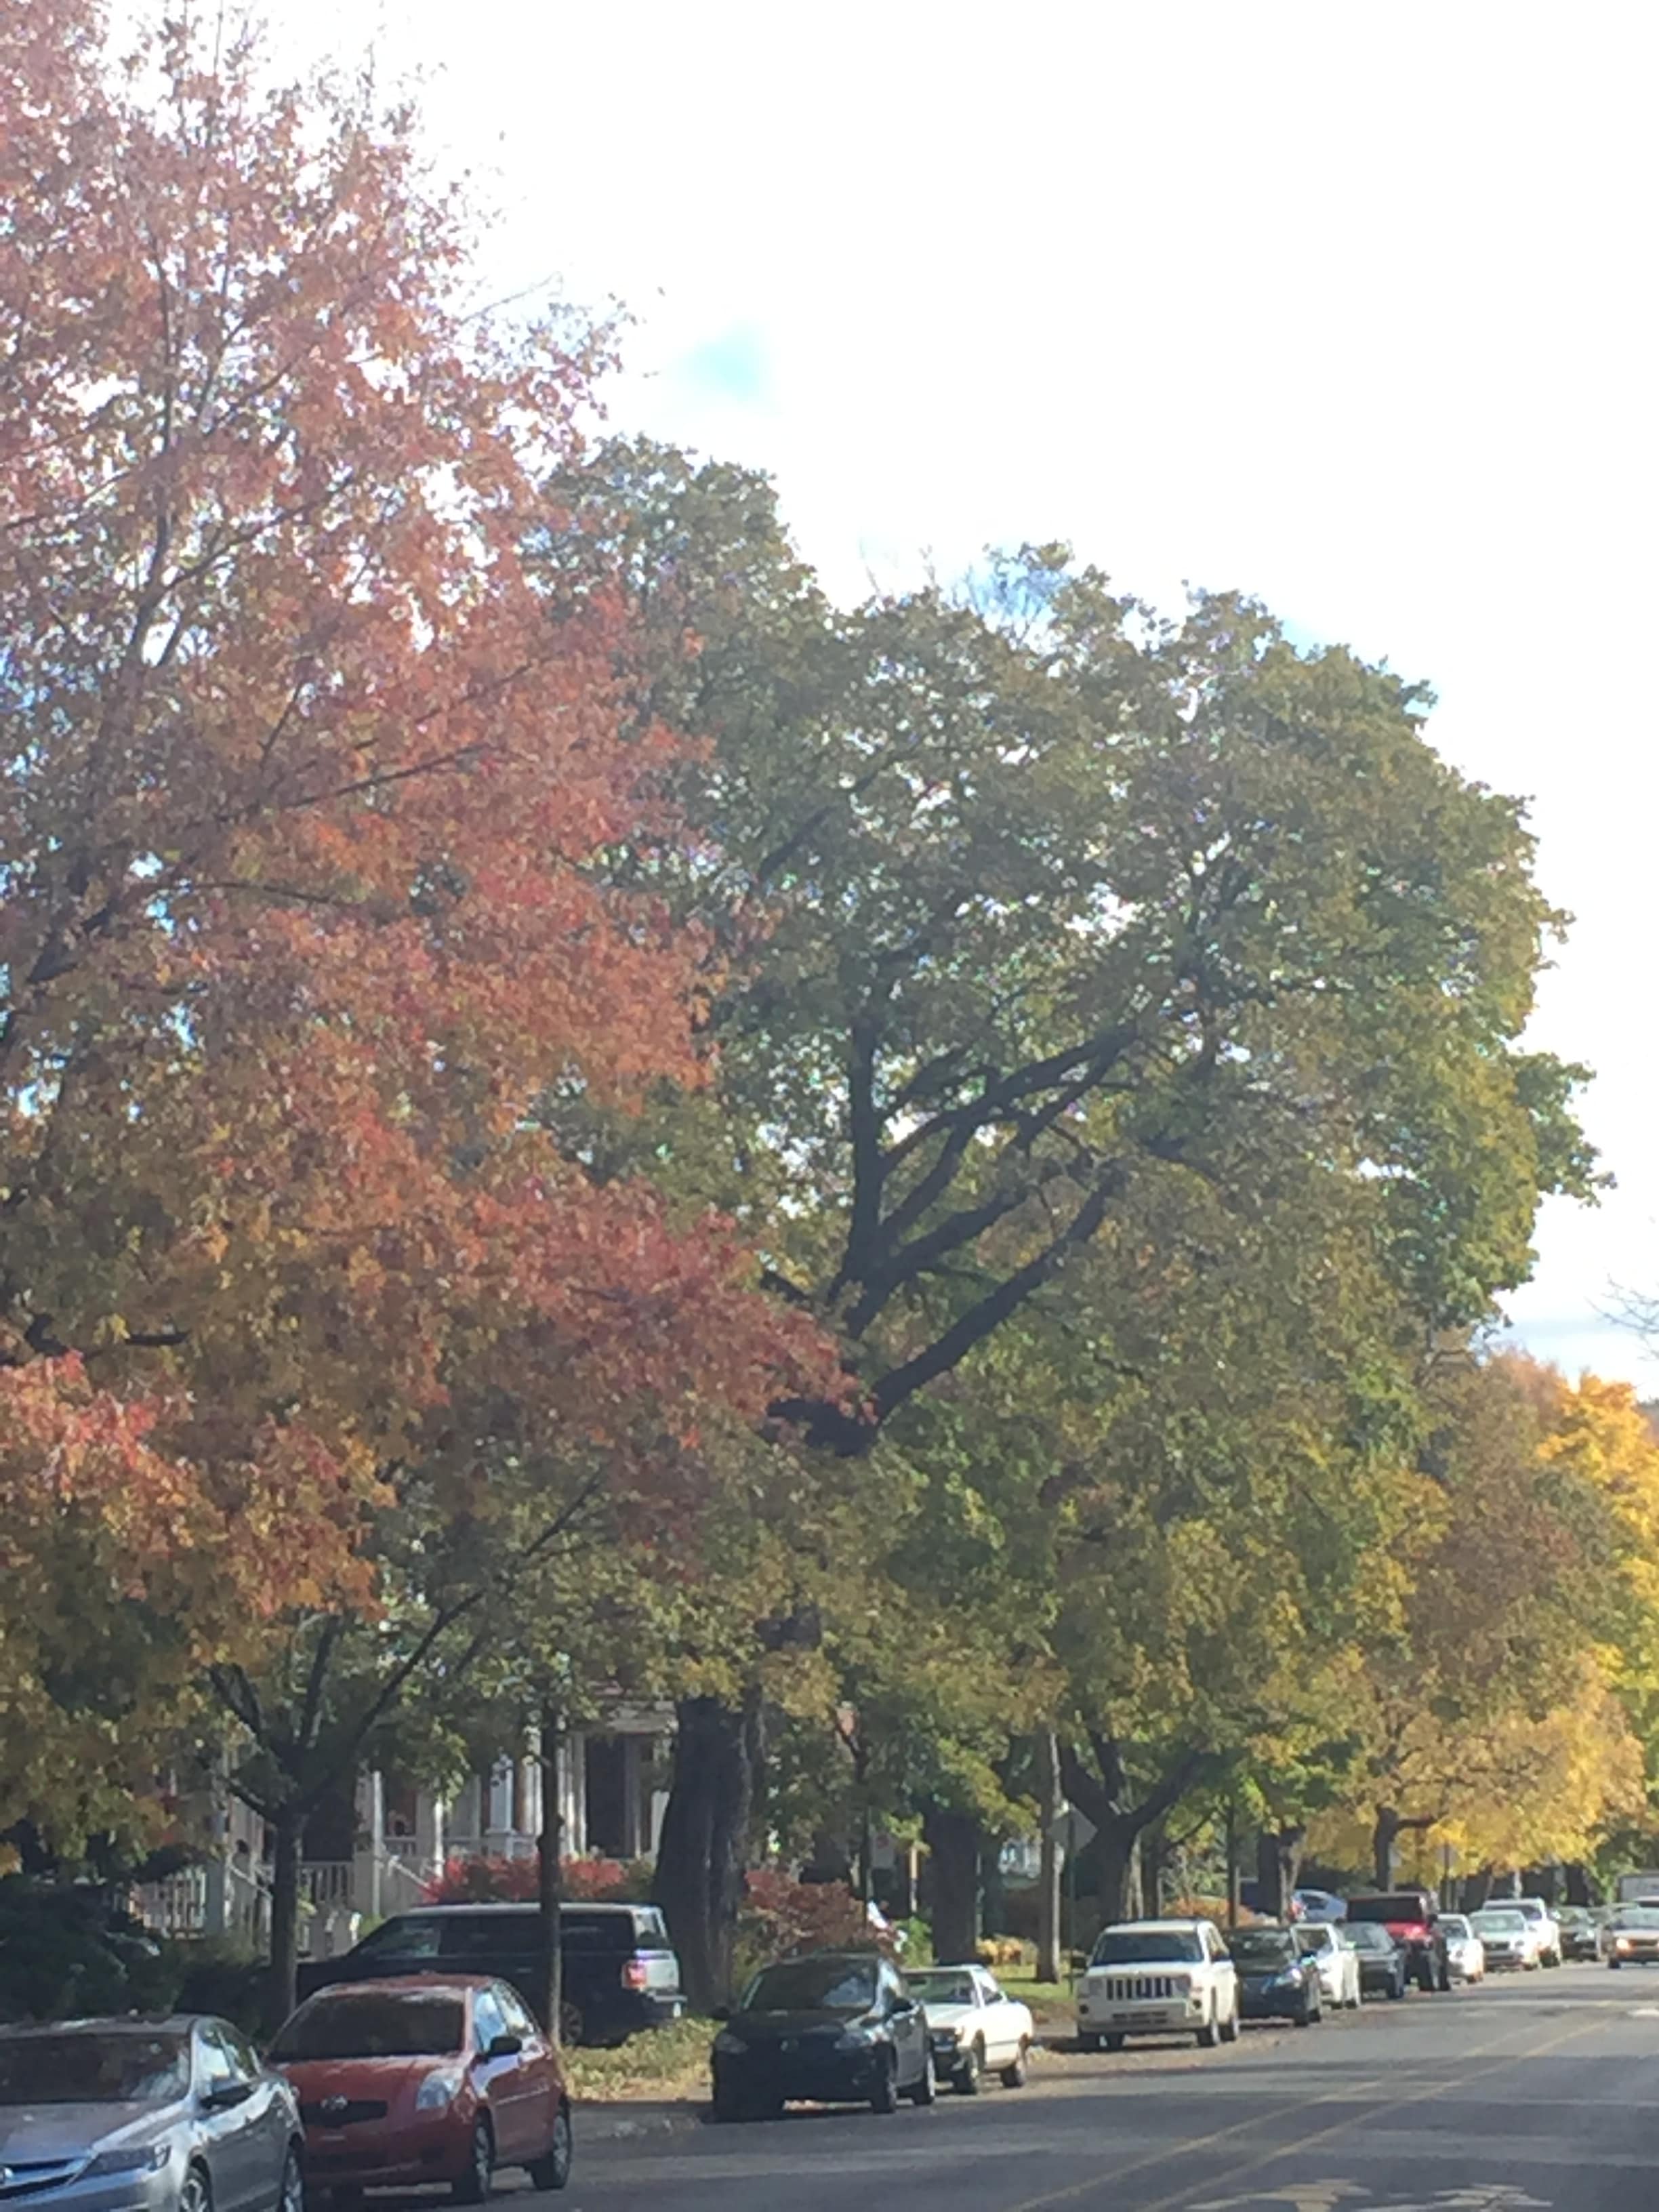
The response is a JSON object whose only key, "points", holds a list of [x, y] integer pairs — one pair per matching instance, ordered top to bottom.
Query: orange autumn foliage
{"points": [[305, 798]]}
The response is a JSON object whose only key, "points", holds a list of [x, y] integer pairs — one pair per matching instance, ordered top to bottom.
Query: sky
{"points": [[1349, 305]]}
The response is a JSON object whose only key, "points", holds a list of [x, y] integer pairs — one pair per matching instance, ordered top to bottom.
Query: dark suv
{"points": [[1413, 1917], [619, 1972]]}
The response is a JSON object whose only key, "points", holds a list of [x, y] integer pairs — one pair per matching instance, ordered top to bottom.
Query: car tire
{"points": [[1614, 1964], [1443, 1985], [1397, 1987], [572, 2026], [1230, 2029], [1210, 2034], [1087, 2039], [1113, 2042], [1013, 2075], [970, 2076], [923, 2091], [884, 2098], [552, 2169], [472, 2187], [197, 2193], [291, 2196]]}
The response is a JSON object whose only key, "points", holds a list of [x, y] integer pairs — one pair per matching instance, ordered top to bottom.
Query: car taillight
{"points": [[636, 1975]]}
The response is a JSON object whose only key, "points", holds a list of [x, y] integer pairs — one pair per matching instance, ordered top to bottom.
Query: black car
{"points": [[1412, 1917], [1581, 1935], [1383, 1964], [619, 1972], [1276, 1978], [837, 2027]]}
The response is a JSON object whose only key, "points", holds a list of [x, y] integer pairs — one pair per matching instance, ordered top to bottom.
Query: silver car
{"points": [[145, 2116]]}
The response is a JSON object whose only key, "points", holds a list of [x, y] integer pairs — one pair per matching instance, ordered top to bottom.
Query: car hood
{"points": [[1252, 1974], [951, 2015], [769, 2026], [382, 2080], [31, 2134]]}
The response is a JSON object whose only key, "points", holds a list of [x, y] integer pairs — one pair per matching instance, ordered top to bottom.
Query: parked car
{"points": [[1320, 1905], [1540, 1917], [1412, 1919], [1581, 1932], [1631, 1936], [1507, 1937], [1466, 1954], [1336, 1962], [1382, 1963], [619, 1972], [1158, 1978], [1276, 1978], [839, 2027], [975, 2029], [422, 2079], [173, 2115]]}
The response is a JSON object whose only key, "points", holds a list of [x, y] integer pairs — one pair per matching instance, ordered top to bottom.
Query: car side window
{"points": [[892, 1989], [515, 2012], [487, 2019], [216, 2061]]}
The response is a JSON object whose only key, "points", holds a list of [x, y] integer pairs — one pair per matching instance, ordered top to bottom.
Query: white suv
{"points": [[1538, 1917], [1158, 1978]]}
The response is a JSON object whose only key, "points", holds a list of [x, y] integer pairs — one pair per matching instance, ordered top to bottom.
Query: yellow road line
{"points": [[1071, 2194]]}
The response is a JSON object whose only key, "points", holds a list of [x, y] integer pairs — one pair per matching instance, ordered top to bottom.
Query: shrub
{"points": [[518, 1881], [67, 1950], [1002, 1951], [222, 1978]]}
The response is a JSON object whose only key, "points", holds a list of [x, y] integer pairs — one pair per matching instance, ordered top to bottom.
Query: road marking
{"points": [[1071, 2194]]}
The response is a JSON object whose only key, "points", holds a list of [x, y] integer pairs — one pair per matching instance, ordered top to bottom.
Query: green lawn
{"points": [[1050, 2002], [663, 2062]]}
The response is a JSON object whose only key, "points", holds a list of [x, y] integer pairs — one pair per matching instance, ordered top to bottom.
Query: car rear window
{"points": [[1406, 1906], [597, 1931]]}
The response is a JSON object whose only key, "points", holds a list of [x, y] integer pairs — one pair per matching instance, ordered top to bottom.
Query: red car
{"points": [[426, 2078]]}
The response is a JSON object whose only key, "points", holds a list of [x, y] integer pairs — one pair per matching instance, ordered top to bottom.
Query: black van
{"points": [[620, 1972]]}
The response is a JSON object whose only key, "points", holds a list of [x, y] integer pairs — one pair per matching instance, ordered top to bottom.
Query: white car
{"points": [[1540, 1917], [1507, 1936], [1466, 1954], [1337, 1962], [1158, 1978], [974, 2026]]}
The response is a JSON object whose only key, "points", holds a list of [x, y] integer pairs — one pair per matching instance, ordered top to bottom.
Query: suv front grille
{"points": [[1137, 1989]]}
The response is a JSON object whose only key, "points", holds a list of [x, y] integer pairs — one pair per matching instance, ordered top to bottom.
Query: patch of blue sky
{"points": [[732, 367]]}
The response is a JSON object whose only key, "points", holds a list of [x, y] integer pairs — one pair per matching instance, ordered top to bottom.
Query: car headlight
{"points": [[1621, 1943], [951, 2035], [855, 2038], [729, 2045], [440, 2088], [148, 2158]]}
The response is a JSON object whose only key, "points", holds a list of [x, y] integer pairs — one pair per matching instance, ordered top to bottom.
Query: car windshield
{"points": [[1406, 1906], [1638, 1916], [1454, 1923], [1499, 1924], [1366, 1937], [1322, 1938], [1145, 1947], [1263, 1947], [813, 1985], [937, 1989], [377, 2025], [93, 2070]]}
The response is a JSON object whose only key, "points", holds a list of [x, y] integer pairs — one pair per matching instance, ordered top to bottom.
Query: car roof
{"points": [[496, 1910], [1162, 1927], [400, 1985], [173, 2023]]}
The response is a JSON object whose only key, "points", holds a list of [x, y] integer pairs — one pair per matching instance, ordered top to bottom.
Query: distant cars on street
{"points": [[1320, 1905], [1412, 1919], [1581, 1932], [1631, 1936], [1508, 1938], [1337, 1962], [1158, 1978], [1278, 1979], [835, 2028], [975, 2029], [417, 2080], [177, 2115]]}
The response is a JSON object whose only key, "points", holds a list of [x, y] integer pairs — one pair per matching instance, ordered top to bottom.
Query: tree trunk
{"points": [[1049, 1802], [285, 1825], [1385, 1834], [1116, 1837], [953, 1841], [701, 1860], [1277, 1863], [1577, 1880], [550, 1883]]}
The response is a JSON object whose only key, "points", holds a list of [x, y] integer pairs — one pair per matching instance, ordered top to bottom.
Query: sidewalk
{"points": [[617, 2119]]}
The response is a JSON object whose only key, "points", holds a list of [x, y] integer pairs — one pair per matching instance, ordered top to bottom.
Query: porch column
{"points": [[573, 1793], [633, 1797], [430, 1827], [368, 1860]]}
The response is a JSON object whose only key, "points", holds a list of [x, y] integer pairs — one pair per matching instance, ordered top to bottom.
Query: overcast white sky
{"points": [[1348, 304]]}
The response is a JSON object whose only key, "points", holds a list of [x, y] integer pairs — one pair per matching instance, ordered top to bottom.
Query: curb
{"points": [[614, 2120]]}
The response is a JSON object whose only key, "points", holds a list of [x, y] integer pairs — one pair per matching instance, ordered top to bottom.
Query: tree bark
{"points": [[719, 1754], [1108, 1798], [1049, 1802], [287, 1822], [1385, 1834], [953, 1843], [1277, 1863], [1577, 1882], [550, 1883]]}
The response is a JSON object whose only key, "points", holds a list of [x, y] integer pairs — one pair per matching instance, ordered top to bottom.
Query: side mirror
{"points": [[901, 2005], [719, 2012], [505, 2046], [223, 2096]]}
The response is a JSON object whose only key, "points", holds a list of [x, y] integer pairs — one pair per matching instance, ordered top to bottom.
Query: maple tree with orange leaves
{"points": [[304, 786]]}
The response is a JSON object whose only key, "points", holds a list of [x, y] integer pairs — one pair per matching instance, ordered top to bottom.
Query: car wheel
{"points": [[1614, 1964], [1444, 1982], [1397, 1986], [571, 2023], [1230, 2026], [1210, 2034], [1088, 2040], [1113, 2042], [970, 2073], [1013, 2075], [924, 2091], [884, 2098], [552, 2169], [473, 2186], [196, 2195], [291, 2197]]}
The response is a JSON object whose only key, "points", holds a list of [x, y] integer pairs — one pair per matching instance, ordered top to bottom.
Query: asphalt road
{"points": [[1540, 2092]]}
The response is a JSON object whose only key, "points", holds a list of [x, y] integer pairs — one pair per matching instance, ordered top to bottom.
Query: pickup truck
{"points": [[1412, 1917]]}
